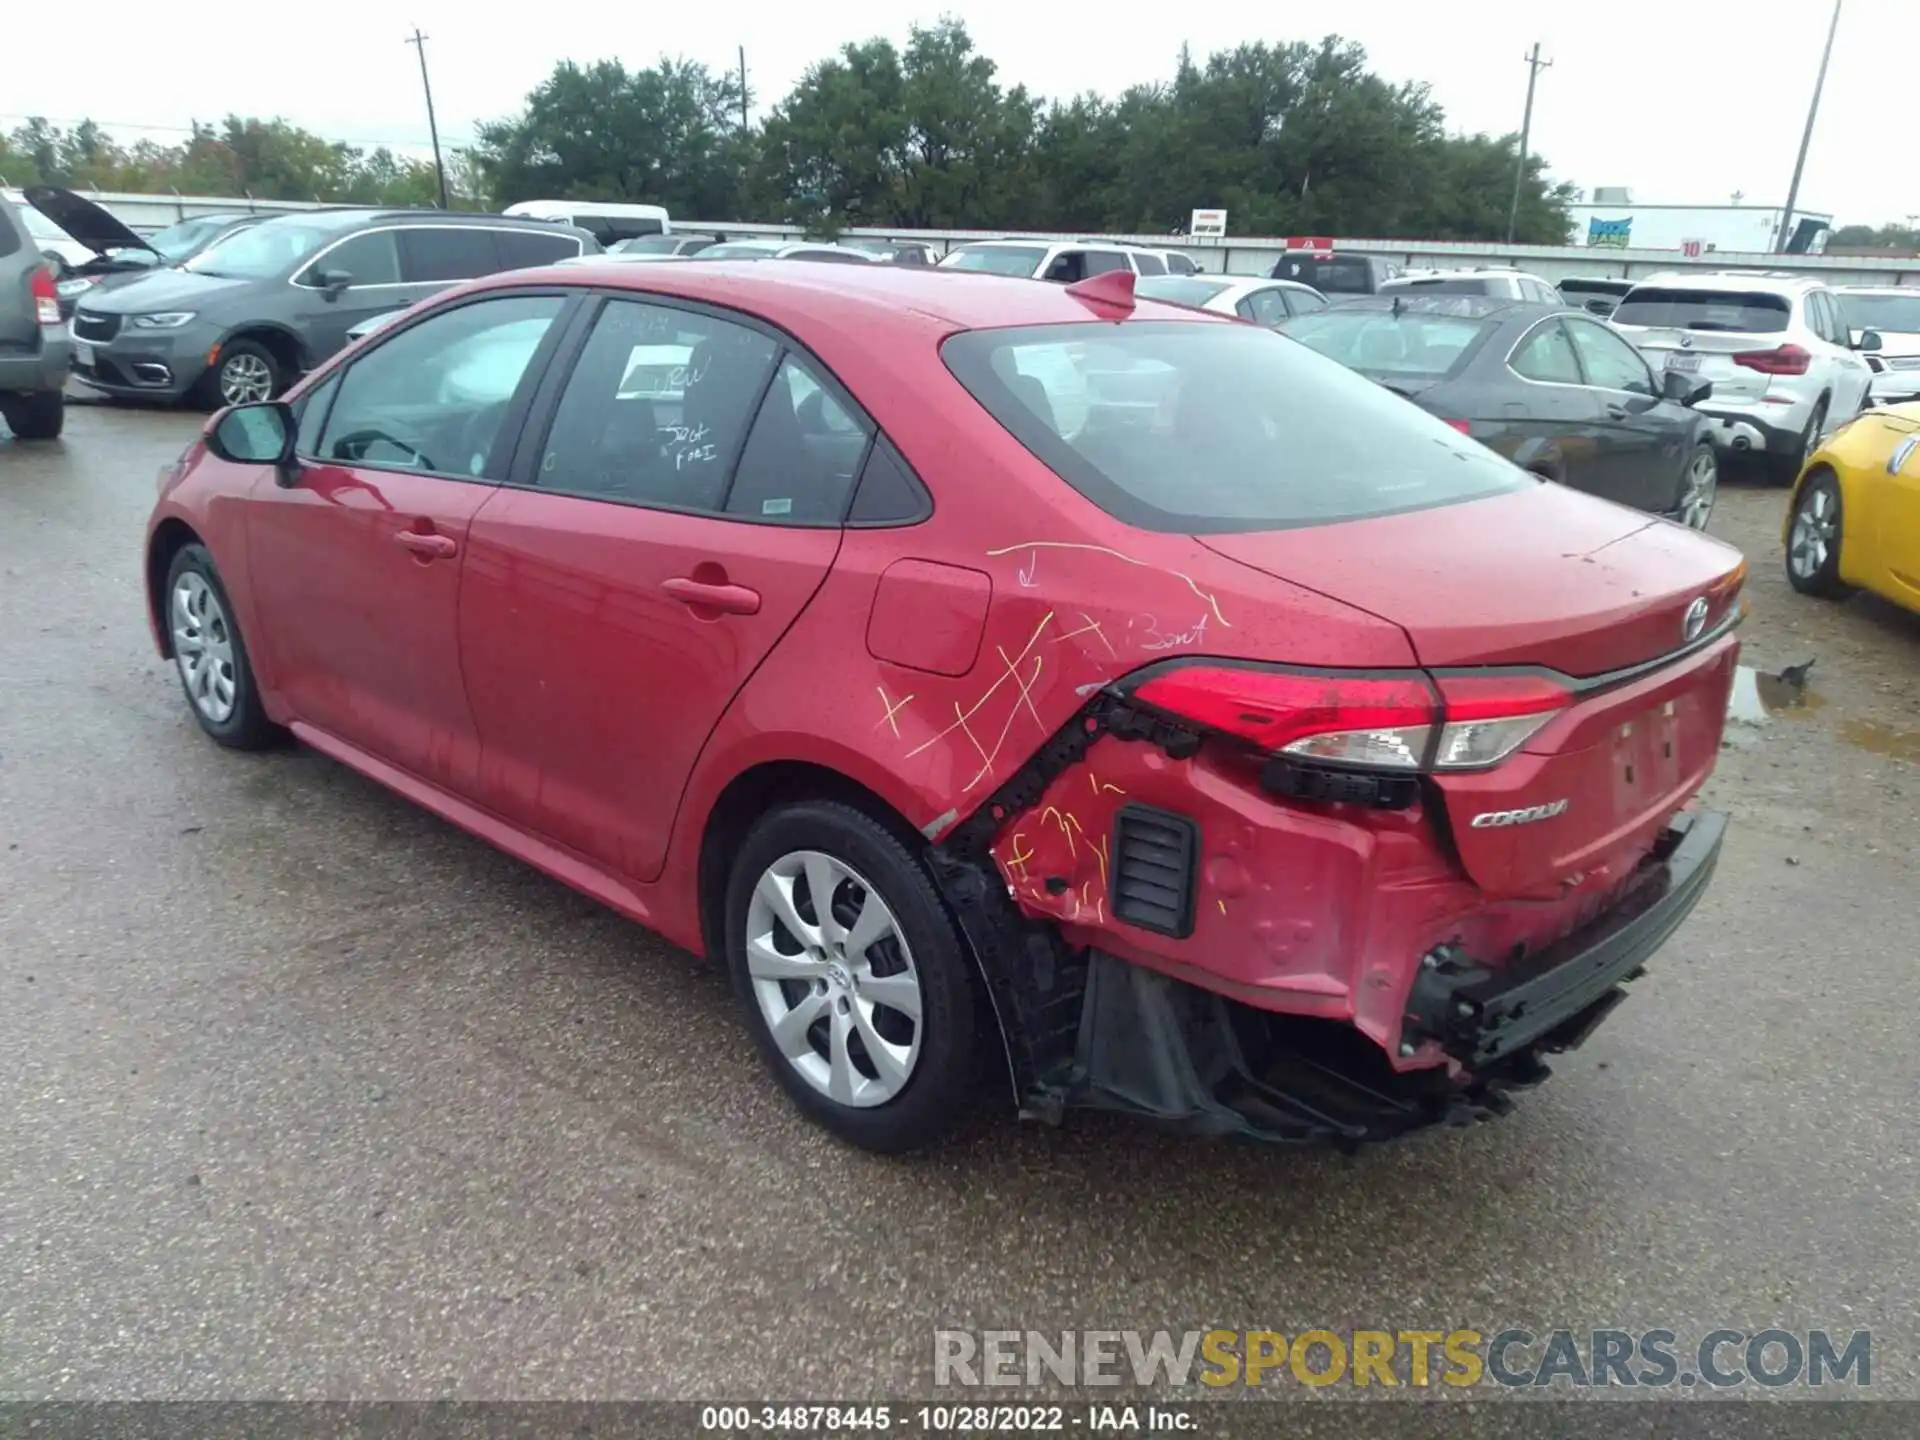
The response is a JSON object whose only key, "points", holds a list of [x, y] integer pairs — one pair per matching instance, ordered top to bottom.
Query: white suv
{"points": [[1061, 261], [1499, 282], [1893, 314], [1776, 347]]}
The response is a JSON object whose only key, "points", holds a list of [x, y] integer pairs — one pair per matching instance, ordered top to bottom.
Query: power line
{"points": [[1534, 66], [68, 122]]}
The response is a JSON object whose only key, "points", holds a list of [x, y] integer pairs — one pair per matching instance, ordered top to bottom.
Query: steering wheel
{"points": [[354, 446]]}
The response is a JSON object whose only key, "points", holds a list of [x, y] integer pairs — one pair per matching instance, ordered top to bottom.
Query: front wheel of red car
{"points": [[215, 674], [853, 977]]}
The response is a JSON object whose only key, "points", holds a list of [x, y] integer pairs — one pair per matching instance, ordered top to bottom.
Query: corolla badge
{"points": [[1695, 621], [1499, 819]]}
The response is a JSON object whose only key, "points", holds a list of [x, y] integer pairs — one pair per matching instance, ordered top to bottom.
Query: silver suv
{"points": [[33, 342]]}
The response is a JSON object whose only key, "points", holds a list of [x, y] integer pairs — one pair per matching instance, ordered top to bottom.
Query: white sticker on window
{"points": [[776, 507]]}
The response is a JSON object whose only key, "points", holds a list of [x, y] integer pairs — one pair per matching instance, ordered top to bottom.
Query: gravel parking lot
{"points": [[309, 1094]]}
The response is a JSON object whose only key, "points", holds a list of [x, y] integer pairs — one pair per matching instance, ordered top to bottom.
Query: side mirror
{"points": [[332, 283], [1869, 342], [1684, 389], [261, 433]]}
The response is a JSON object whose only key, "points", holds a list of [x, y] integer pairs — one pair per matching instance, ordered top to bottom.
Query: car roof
{"points": [[1038, 242], [1878, 289], [868, 300]]}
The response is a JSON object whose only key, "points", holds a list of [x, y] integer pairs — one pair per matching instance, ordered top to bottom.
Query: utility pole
{"points": [[419, 42], [1534, 66], [743, 90], [1806, 136]]}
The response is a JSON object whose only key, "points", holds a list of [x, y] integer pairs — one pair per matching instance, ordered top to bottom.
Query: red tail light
{"points": [[46, 297], [1785, 360], [1463, 426], [1403, 721]]}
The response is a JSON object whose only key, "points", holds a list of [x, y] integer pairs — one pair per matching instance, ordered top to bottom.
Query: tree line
{"points": [[1290, 138]]}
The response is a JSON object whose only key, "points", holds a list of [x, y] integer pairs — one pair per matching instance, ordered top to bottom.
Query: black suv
{"points": [[249, 314]]}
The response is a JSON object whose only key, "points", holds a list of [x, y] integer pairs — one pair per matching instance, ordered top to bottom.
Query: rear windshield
{"points": [[650, 245], [997, 259], [1328, 276], [1595, 287], [1179, 289], [1661, 307], [1898, 313], [1413, 345], [1187, 426]]}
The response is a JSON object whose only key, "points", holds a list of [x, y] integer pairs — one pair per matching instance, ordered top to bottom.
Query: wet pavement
{"points": [[309, 1094]]}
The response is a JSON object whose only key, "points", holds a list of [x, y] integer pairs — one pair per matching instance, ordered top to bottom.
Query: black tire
{"points": [[235, 356], [40, 415], [1788, 467], [1818, 507], [246, 726], [941, 1082]]}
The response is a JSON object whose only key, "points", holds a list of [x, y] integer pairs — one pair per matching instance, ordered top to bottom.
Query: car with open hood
{"points": [[119, 252], [248, 315], [1115, 693]]}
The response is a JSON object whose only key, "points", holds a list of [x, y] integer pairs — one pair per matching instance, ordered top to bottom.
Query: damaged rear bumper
{"points": [[1108, 1034]]}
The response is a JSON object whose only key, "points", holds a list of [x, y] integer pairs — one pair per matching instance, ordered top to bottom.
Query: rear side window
{"points": [[10, 228], [523, 249], [433, 254], [997, 259], [1149, 264], [1305, 301], [1674, 308], [1547, 355], [657, 408], [1196, 427], [802, 455]]}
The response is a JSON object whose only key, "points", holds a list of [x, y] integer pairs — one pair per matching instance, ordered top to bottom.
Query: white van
{"points": [[608, 221]]}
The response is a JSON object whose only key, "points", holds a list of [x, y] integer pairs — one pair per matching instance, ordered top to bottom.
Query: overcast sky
{"points": [[1682, 101]]}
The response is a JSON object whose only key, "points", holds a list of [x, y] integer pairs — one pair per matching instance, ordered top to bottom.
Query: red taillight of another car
{"points": [[46, 297], [1782, 360], [1465, 427], [1397, 722]]}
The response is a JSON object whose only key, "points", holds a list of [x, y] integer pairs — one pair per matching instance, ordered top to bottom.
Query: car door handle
{"points": [[427, 547], [698, 595]]}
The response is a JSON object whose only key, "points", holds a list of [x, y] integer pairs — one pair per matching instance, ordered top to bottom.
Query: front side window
{"points": [[260, 252], [369, 259], [1099, 262], [1149, 264], [1305, 301], [1547, 355], [1610, 362], [432, 397], [657, 408], [1186, 426]]}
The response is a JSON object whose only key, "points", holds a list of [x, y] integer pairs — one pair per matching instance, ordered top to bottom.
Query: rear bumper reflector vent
{"points": [[1153, 859]]}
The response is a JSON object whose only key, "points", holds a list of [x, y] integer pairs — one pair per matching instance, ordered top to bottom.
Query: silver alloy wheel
{"points": [[244, 379], [1703, 482], [1815, 530], [203, 647], [834, 978]]}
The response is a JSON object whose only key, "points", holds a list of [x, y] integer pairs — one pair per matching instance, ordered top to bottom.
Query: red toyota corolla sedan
{"points": [[1120, 697]]}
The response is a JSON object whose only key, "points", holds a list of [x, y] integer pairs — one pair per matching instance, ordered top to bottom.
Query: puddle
{"points": [[1758, 697], [1878, 739]]}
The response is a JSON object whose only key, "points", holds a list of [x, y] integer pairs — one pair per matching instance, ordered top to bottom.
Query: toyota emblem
{"points": [[1695, 622]]}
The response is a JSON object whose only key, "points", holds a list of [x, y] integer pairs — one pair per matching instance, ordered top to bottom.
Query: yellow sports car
{"points": [[1854, 519]]}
